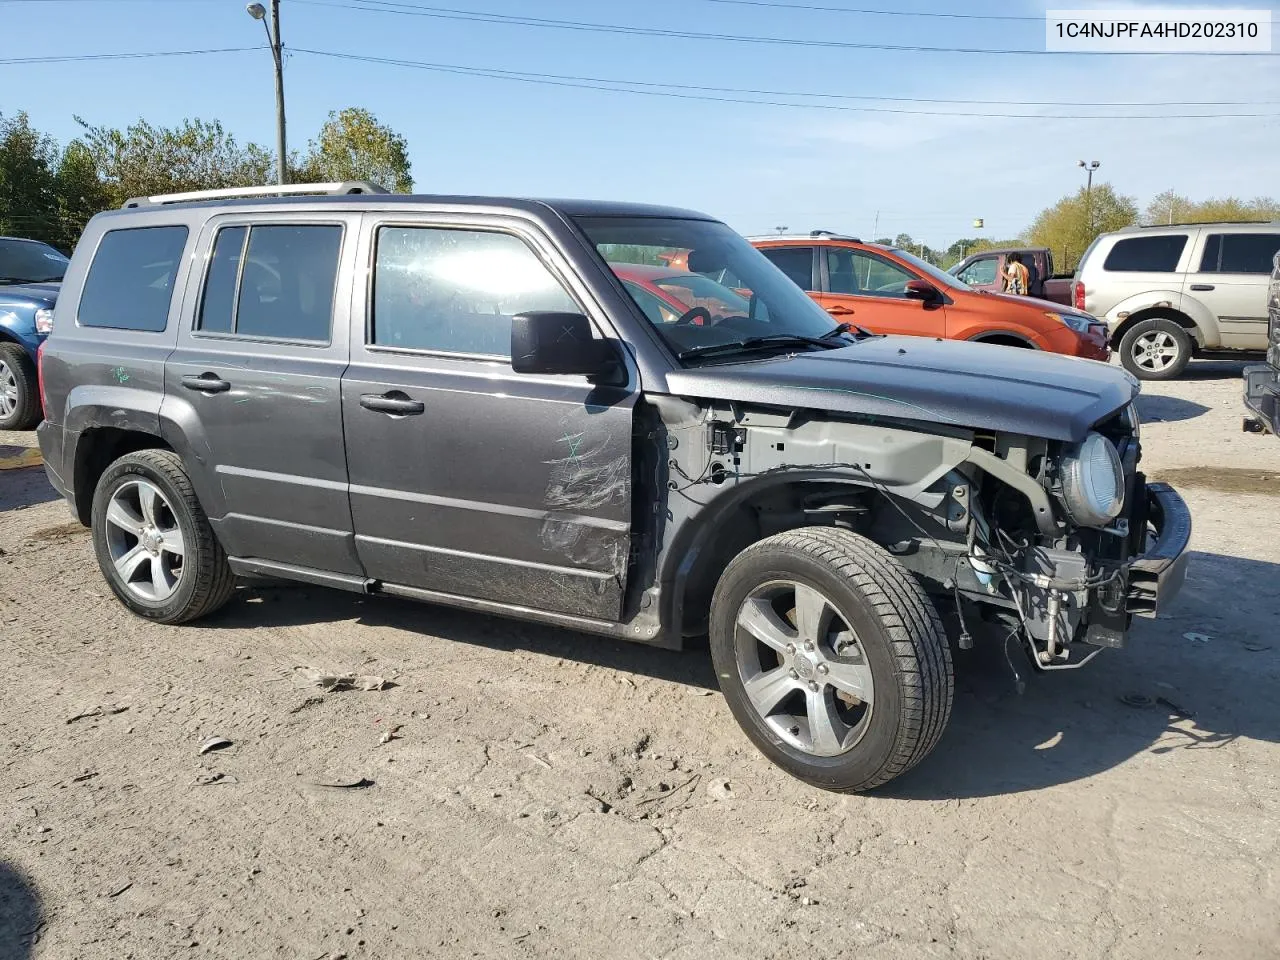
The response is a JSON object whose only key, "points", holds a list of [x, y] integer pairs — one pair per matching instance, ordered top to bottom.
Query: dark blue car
{"points": [[30, 276]]}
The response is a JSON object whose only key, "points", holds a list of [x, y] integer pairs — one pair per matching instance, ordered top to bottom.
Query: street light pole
{"points": [[259, 12], [1088, 193]]}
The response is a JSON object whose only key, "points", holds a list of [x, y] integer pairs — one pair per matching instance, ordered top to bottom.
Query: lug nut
{"points": [[809, 647], [791, 648], [823, 669], [793, 675], [813, 686]]}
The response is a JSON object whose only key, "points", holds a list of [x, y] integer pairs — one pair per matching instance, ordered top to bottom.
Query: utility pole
{"points": [[259, 12], [1088, 194], [875, 227]]}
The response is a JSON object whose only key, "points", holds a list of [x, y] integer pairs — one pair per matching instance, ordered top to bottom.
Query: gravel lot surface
{"points": [[529, 792]]}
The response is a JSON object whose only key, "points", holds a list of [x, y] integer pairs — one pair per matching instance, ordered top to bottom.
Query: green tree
{"points": [[353, 145], [195, 155], [80, 193], [28, 197], [1170, 207], [1070, 225]]}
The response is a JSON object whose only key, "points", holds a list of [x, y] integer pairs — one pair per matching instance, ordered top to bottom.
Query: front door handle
{"points": [[1202, 286], [839, 311], [206, 383], [394, 402]]}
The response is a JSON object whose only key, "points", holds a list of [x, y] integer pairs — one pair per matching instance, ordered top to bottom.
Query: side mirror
{"points": [[922, 290], [548, 342]]}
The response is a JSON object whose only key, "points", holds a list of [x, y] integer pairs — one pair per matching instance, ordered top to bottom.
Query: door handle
{"points": [[1202, 286], [839, 311], [206, 383], [395, 402]]}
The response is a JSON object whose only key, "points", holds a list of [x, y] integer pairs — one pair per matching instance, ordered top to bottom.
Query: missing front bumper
{"points": [[1157, 575]]}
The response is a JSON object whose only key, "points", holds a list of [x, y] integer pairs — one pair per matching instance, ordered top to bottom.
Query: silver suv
{"points": [[1172, 293], [497, 404]]}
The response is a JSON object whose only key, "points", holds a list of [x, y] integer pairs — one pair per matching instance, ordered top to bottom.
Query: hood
{"points": [[39, 294], [1039, 304], [974, 385]]}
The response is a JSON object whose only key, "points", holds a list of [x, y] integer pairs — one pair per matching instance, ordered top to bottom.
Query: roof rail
{"points": [[234, 193], [1206, 223], [832, 235]]}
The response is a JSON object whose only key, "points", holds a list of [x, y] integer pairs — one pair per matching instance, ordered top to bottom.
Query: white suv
{"points": [[1176, 292]]}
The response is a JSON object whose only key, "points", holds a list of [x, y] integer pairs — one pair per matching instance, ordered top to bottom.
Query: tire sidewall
{"points": [[1164, 325], [24, 375], [123, 471], [877, 746]]}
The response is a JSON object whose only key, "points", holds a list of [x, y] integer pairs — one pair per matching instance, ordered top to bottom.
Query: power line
{"points": [[877, 13], [477, 16], [85, 57], [487, 71], [620, 86]]}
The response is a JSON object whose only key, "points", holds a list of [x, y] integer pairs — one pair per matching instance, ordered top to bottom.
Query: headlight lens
{"points": [[44, 321], [1076, 321], [1093, 482]]}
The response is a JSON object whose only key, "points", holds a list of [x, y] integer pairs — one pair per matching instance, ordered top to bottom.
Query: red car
{"points": [[666, 294]]}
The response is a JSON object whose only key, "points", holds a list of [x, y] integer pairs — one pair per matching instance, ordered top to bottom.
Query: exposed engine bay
{"points": [[1043, 538]]}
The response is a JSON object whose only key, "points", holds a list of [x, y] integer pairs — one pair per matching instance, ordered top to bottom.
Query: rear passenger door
{"points": [[1231, 281], [254, 386], [467, 478]]}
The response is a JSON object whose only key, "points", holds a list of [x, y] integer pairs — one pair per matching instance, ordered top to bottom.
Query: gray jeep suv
{"points": [[490, 404]]}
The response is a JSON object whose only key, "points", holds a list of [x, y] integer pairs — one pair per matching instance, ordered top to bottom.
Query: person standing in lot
{"points": [[1017, 279]]}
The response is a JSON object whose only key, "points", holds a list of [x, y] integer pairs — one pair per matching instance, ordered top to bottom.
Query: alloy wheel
{"points": [[1155, 350], [8, 390], [144, 541], [803, 668]]}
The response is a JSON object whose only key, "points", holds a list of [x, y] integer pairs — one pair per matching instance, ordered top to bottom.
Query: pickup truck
{"points": [[982, 271]]}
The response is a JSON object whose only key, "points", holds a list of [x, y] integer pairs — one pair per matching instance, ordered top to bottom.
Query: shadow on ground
{"points": [[1217, 369], [1154, 408], [24, 488], [1066, 726], [21, 915]]}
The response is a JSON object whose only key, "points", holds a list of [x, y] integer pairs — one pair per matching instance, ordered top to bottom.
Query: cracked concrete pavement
{"points": [[547, 794]]}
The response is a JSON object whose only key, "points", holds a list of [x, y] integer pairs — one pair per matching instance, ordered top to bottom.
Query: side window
{"points": [[1247, 252], [1146, 254], [795, 262], [855, 272], [979, 272], [130, 281], [274, 282], [455, 291]]}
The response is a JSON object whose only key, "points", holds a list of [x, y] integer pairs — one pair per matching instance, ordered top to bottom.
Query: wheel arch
{"points": [[1158, 312], [1004, 338], [98, 447]]}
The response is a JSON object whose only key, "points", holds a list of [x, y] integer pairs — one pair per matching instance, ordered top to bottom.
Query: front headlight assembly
{"points": [[1076, 321], [1092, 482]]}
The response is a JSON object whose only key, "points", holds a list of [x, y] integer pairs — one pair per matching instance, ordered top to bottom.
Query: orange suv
{"points": [[888, 290]]}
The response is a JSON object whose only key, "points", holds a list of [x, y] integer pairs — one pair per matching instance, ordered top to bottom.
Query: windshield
{"points": [[26, 261], [940, 277], [730, 293]]}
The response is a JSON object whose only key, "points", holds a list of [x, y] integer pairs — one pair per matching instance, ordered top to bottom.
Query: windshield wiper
{"points": [[847, 327], [756, 343]]}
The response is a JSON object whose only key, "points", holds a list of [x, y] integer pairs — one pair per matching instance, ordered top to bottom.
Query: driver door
{"points": [[870, 290]]}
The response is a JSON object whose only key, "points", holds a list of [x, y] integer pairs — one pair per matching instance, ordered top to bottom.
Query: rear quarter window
{"points": [[1146, 254], [130, 281]]}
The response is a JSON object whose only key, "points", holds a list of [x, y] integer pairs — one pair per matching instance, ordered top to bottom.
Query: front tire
{"points": [[1156, 349], [19, 389], [153, 541], [831, 657]]}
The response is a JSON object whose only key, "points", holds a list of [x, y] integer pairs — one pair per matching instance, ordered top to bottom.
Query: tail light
{"points": [[1079, 294], [44, 402]]}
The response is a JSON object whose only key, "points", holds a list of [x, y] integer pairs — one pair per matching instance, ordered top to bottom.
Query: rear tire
{"points": [[1156, 349], [19, 389], [153, 542], [832, 657]]}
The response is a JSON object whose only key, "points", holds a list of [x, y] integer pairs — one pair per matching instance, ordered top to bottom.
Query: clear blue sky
{"points": [[757, 166]]}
